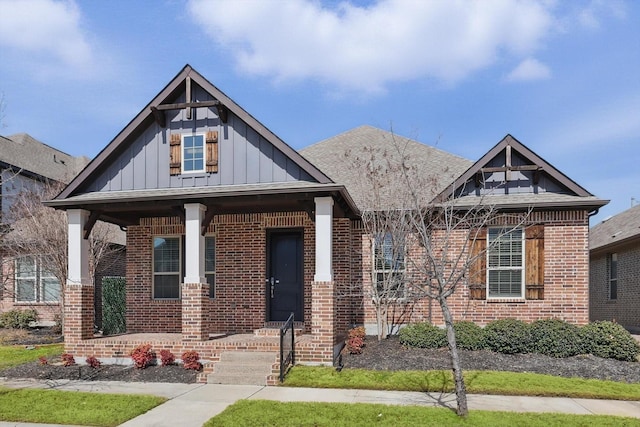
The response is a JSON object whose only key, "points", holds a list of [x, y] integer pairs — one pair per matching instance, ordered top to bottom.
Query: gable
{"points": [[140, 157], [511, 175]]}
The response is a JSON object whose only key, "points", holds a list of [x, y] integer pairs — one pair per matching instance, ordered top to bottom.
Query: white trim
{"points": [[204, 153], [506, 229], [324, 239], [194, 243]]}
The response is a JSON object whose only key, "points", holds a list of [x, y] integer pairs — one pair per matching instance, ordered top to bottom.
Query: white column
{"points": [[324, 237], [194, 243], [78, 247]]}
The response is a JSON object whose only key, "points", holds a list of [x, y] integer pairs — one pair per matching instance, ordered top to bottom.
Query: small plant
{"points": [[18, 319], [423, 335], [469, 336], [508, 336], [555, 338], [355, 340], [609, 340], [142, 356], [167, 358], [68, 359], [43, 360], [191, 360], [93, 362]]}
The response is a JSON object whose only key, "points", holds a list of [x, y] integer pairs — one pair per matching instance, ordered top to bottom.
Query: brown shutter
{"points": [[212, 151], [175, 154], [534, 262], [478, 266]]}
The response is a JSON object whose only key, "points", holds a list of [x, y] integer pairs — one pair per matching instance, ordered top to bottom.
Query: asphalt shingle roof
{"points": [[618, 228]]}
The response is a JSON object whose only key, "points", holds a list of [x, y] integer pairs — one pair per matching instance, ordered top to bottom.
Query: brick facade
{"points": [[626, 308]]}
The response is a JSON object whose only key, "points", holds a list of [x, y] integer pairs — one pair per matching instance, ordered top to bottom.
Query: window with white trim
{"points": [[193, 154], [167, 256], [612, 262], [505, 263], [210, 264], [389, 266], [34, 283]]}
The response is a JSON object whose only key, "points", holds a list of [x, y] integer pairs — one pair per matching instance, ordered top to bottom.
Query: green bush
{"points": [[113, 305], [18, 319], [423, 335], [469, 336], [509, 336], [556, 338], [609, 340]]}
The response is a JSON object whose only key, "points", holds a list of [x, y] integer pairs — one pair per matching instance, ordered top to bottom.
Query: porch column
{"points": [[79, 290], [195, 290], [323, 290]]}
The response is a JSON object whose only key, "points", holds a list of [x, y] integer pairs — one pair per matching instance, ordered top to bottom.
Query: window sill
{"points": [[506, 300], [37, 303]]}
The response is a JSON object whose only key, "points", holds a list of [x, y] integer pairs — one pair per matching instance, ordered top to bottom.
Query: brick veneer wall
{"points": [[566, 279], [626, 308]]}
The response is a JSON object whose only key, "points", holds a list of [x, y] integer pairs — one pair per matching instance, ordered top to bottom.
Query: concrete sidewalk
{"points": [[194, 404]]}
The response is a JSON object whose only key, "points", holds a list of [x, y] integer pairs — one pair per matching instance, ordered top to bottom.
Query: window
{"points": [[193, 153], [505, 262], [612, 262], [210, 264], [389, 265], [166, 267], [34, 283]]}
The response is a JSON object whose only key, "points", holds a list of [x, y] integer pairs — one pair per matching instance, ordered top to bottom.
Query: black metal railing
{"points": [[287, 347]]}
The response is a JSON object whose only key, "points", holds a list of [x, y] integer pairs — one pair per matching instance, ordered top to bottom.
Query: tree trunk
{"points": [[461, 390]]}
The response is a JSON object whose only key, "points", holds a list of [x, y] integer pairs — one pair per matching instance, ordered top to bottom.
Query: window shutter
{"points": [[212, 151], [175, 154], [534, 262], [478, 266]]}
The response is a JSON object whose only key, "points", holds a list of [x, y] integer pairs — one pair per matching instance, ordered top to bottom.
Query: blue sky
{"points": [[563, 77]]}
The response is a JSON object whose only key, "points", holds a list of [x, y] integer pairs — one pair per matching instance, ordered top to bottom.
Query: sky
{"points": [[562, 77]]}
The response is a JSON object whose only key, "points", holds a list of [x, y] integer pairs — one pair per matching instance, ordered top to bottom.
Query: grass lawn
{"points": [[12, 355], [477, 382], [68, 407], [268, 413]]}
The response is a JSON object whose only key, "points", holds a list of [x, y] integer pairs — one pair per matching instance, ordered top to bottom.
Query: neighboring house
{"points": [[27, 164], [229, 230], [614, 272]]}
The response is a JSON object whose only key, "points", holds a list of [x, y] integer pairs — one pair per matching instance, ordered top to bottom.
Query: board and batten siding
{"points": [[244, 156]]}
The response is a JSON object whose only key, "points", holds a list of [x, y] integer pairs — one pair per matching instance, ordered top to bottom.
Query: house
{"points": [[26, 164], [229, 230], [614, 272]]}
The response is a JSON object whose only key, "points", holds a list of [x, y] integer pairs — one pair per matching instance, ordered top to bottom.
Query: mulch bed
{"points": [[388, 355]]}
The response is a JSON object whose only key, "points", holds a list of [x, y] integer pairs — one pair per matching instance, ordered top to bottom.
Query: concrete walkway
{"points": [[193, 404]]}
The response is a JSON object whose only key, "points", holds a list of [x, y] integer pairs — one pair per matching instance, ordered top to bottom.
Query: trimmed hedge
{"points": [[113, 305], [423, 335], [469, 336], [508, 336], [556, 338], [609, 340]]}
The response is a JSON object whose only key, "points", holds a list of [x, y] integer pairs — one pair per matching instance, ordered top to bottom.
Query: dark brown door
{"points": [[285, 276]]}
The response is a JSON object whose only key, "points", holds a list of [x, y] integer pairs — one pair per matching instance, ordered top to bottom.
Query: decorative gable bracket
{"points": [[160, 119]]}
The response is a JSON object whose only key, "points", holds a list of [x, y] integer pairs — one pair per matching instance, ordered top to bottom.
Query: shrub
{"points": [[113, 305], [18, 319], [357, 332], [423, 335], [469, 336], [508, 336], [555, 338], [609, 340], [355, 341], [142, 356], [167, 358], [68, 359], [43, 360], [190, 360], [93, 362]]}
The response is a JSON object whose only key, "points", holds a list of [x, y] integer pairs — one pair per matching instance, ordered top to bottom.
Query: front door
{"points": [[285, 276]]}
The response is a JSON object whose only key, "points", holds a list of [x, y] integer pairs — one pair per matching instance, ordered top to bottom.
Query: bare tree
{"points": [[40, 232]]}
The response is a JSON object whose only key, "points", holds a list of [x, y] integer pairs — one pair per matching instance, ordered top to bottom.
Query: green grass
{"points": [[12, 355], [477, 382], [67, 407], [268, 413]]}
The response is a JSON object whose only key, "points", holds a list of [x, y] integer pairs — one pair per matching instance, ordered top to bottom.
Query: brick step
{"points": [[274, 332], [249, 357], [237, 367], [241, 368]]}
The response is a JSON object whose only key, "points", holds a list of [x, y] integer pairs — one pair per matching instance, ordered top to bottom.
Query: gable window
{"points": [[193, 153], [505, 263], [210, 264], [389, 266], [166, 267], [612, 273], [34, 283]]}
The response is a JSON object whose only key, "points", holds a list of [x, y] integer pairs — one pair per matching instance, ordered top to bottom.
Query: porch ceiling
{"points": [[127, 207]]}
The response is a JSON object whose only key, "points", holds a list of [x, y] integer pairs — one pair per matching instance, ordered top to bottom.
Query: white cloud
{"points": [[592, 14], [45, 34], [365, 48], [529, 69]]}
